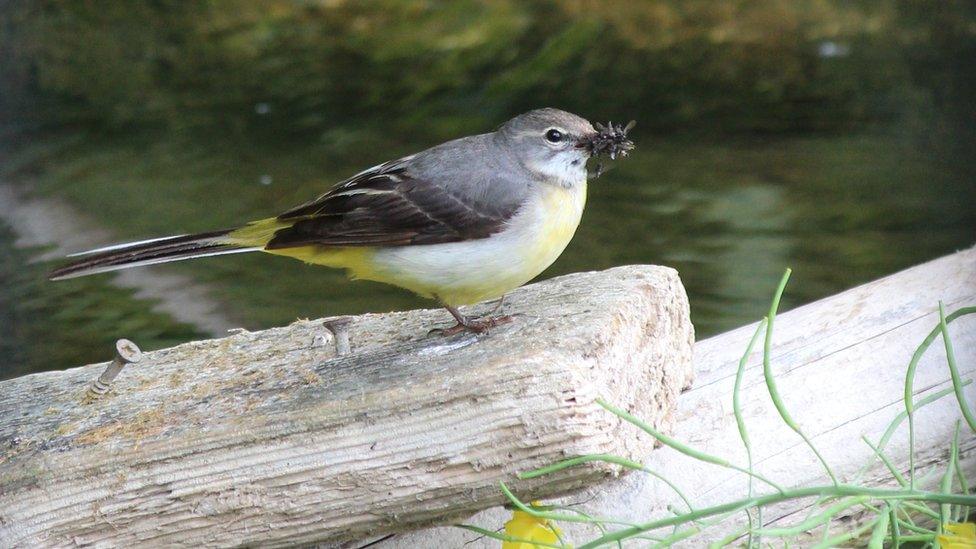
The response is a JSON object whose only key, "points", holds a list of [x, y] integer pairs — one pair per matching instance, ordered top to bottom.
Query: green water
{"points": [[832, 137], [730, 217], [48, 327]]}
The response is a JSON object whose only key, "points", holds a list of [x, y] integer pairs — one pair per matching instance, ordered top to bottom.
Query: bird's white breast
{"points": [[461, 273]]}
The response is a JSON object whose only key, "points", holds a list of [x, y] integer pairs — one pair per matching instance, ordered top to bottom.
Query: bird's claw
{"points": [[476, 325]]}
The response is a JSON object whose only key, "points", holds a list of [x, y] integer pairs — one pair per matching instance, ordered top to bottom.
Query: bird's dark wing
{"points": [[387, 206]]}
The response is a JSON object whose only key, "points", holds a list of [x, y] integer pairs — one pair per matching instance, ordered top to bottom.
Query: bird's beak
{"points": [[585, 142]]}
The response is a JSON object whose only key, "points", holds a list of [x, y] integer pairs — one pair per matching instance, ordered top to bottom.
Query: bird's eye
{"points": [[554, 136]]}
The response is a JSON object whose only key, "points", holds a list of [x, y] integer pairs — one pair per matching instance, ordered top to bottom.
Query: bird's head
{"points": [[556, 144]]}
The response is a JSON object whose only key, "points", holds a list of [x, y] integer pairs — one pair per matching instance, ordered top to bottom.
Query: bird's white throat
{"points": [[567, 169]]}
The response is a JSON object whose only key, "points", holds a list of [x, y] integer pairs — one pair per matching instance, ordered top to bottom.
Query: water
{"points": [[845, 154], [730, 217], [48, 327]]}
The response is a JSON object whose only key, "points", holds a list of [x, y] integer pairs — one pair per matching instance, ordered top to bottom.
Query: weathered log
{"points": [[840, 364], [268, 438]]}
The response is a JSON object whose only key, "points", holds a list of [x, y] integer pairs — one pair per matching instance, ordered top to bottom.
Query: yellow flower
{"points": [[525, 526], [958, 536]]}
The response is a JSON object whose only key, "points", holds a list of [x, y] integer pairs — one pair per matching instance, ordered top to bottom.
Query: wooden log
{"points": [[840, 364], [268, 438]]}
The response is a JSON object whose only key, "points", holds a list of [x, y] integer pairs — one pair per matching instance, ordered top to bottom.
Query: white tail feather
{"points": [[114, 247], [109, 268]]}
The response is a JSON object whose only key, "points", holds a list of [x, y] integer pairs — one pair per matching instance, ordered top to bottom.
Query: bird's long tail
{"points": [[159, 250]]}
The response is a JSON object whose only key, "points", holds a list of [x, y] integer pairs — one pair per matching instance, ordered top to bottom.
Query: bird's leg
{"points": [[501, 301], [476, 325]]}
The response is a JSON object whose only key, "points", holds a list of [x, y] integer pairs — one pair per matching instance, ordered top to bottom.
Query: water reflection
{"points": [[834, 138], [48, 327]]}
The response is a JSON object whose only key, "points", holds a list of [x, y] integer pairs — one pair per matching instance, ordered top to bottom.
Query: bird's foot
{"points": [[473, 325]]}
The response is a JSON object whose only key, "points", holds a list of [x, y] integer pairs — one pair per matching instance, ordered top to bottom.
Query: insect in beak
{"points": [[611, 140]]}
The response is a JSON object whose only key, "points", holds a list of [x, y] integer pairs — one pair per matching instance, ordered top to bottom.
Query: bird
{"points": [[460, 223]]}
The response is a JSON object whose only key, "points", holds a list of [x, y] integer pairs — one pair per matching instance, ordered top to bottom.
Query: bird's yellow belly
{"points": [[462, 273]]}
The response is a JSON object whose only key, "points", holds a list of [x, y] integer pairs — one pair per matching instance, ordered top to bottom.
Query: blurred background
{"points": [[836, 137]]}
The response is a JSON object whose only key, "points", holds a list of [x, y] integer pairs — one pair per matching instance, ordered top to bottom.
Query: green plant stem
{"points": [[771, 380], [910, 384], [967, 412], [741, 423], [895, 423], [683, 448], [609, 459], [887, 462], [565, 464], [954, 468], [960, 477], [945, 485], [833, 490], [908, 504], [921, 509], [549, 515], [907, 515], [813, 521], [599, 525], [886, 525], [700, 526], [880, 529], [895, 529], [916, 529], [678, 536], [846, 536], [506, 537], [731, 537], [916, 538]]}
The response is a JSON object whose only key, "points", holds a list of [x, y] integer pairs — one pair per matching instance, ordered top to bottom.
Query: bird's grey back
{"points": [[478, 170]]}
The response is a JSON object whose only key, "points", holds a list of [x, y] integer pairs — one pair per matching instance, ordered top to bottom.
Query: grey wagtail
{"points": [[461, 222]]}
